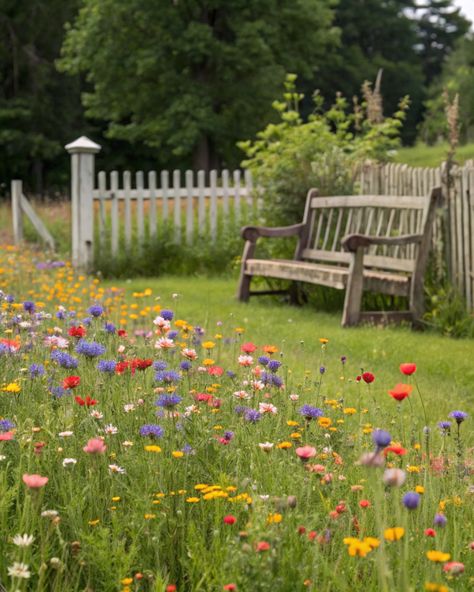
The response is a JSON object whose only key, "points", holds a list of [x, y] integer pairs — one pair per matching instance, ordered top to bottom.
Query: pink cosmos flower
{"points": [[6, 436], [95, 446], [305, 452], [34, 481], [453, 567]]}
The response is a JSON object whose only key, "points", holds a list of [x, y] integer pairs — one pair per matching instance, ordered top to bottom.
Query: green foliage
{"points": [[189, 78], [424, 155], [290, 157], [448, 313]]}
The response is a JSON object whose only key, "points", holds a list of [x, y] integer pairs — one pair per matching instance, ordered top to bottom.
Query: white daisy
{"points": [[23, 540], [19, 570]]}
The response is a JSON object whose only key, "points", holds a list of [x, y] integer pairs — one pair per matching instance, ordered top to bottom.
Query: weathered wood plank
{"points": [[140, 182], [165, 183], [127, 184], [102, 189], [376, 201], [201, 203], [177, 205], [213, 205], [189, 207], [152, 211], [17, 214], [114, 214], [38, 224]]}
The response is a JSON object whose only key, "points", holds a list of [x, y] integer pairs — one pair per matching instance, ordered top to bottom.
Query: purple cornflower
{"points": [[10, 298], [29, 306], [96, 310], [61, 315], [167, 315], [87, 321], [109, 328], [199, 330], [172, 334], [4, 349], [90, 349], [64, 359], [343, 359], [264, 360], [159, 365], [185, 365], [273, 365], [107, 366], [36, 370], [322, 370], [230, 373], [167, 376], [276, 381], [57, 391], [168, 401], [241, 409], [309, 412], [252, 415], [459, 416], [5, 425], [445, 427], [152, 429], [228, 436], [381, 438], [187, 449], [411, 500], [440, 520]]}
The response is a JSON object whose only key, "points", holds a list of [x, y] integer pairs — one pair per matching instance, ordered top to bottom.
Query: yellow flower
{"points": [[239, 330], [323, 340], [208, 345], [208, 362], [13, 387], [349, 411], [324, 422], [292, 423], [295, 435], [284, 445], [152, 448], [177, 454], [413, 469], [200, 486], [420, 489], [116, 498], [192, 500], [149, 516], [274, 518], [93, 522], [394, 534], [357, 548], [438, 556], [126, 581], [433, 587]]}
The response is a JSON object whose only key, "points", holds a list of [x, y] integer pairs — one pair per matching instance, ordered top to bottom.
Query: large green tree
{"points": [[191, 77]]}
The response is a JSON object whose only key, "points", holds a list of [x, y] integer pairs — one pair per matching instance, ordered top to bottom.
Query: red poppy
{"points": [[78, 331], [122, 333], [248, 348], [141, 364], [121, 367], [408, 369], [368, 377], [71, 382], [401, 391], [88, 401], [6, 436], [399, 450], [364, 503], [229, 519], [301, 529], [430, 532], [312, 534], [262, 546], [230, 587], [171, 588]]}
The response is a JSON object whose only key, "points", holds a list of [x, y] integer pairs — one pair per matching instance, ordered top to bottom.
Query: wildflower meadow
{"points": [[141, 450]]}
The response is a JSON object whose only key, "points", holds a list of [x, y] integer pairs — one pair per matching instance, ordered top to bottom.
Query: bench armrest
{"points": [[252, 233], [352, 242]]}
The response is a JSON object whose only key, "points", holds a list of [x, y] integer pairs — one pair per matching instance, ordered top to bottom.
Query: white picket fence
{"points": [[193, 204]]}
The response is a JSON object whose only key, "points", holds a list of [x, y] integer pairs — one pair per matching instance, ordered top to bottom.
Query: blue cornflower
{"points": [[10, 298], [29, 306], [96, 310], [167, 314], [61, 315], [86, 321], [109, 328], [199, 330], [172, 334], [4, 349], [90, 349], [64, 359], [343, 359], [264, 360], [160, 365], [186, 365], [273, 365], [107, 366], [36, 370], [322, 370], [230, 373], [167, 376], [276, 381], [58, 391], [168, 401], [241, 409], [309, 412], [252, 415], [459, 416], [5, 425], [445, 427], [152, 429], [228, 436], [381, 438], [187, 449], [411, 500], [440, 520]]}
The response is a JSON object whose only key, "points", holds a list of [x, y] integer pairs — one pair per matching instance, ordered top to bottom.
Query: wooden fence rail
{"points": [[22, 207]]}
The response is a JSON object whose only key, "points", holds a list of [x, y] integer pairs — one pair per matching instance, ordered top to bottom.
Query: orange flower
{"points": [[401, 391]]}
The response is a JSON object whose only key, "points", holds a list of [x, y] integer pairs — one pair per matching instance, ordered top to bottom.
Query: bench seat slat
{"points": [[327, 275]]}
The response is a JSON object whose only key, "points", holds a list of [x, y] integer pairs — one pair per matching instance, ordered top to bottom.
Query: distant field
{"points": [[423, 155]]}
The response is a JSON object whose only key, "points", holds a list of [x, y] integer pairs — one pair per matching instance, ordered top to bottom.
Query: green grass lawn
{"points": [[432, 156], [445, 365]]}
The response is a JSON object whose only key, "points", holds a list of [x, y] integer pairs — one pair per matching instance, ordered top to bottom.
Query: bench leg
{"points": [[354, 288], [243, 291]]}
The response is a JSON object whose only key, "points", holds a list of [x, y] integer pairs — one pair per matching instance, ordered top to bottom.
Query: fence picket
{"points": [[201, 179], [139, 181], [165, 183], [127, 186], [102, 190], [225, 196], [237, 196], [177, 205], [189, 207], [213, 212], [466, 215], [152, 216], [114, 219]]}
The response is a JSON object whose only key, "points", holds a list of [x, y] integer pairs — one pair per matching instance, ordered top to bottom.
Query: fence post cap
{"points": [[84, 145]]}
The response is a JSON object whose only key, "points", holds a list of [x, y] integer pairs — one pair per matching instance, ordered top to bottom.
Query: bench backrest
{"points": [[330, 219]]}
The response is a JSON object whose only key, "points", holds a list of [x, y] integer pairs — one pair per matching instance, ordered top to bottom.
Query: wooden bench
{"points": [[378, 243]]}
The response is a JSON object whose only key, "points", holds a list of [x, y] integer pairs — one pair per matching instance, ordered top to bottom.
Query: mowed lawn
{"points": [[445, 366]]}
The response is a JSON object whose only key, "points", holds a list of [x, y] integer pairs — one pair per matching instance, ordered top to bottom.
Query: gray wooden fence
{"points": [[129, 210], [454, 229]]}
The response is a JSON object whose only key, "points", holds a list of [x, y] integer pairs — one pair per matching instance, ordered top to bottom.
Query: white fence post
{"points": [[82, 153], [17, 213]]}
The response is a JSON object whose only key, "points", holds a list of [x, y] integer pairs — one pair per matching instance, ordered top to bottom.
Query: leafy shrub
{"points": [[290, 157], [448, 313]]}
